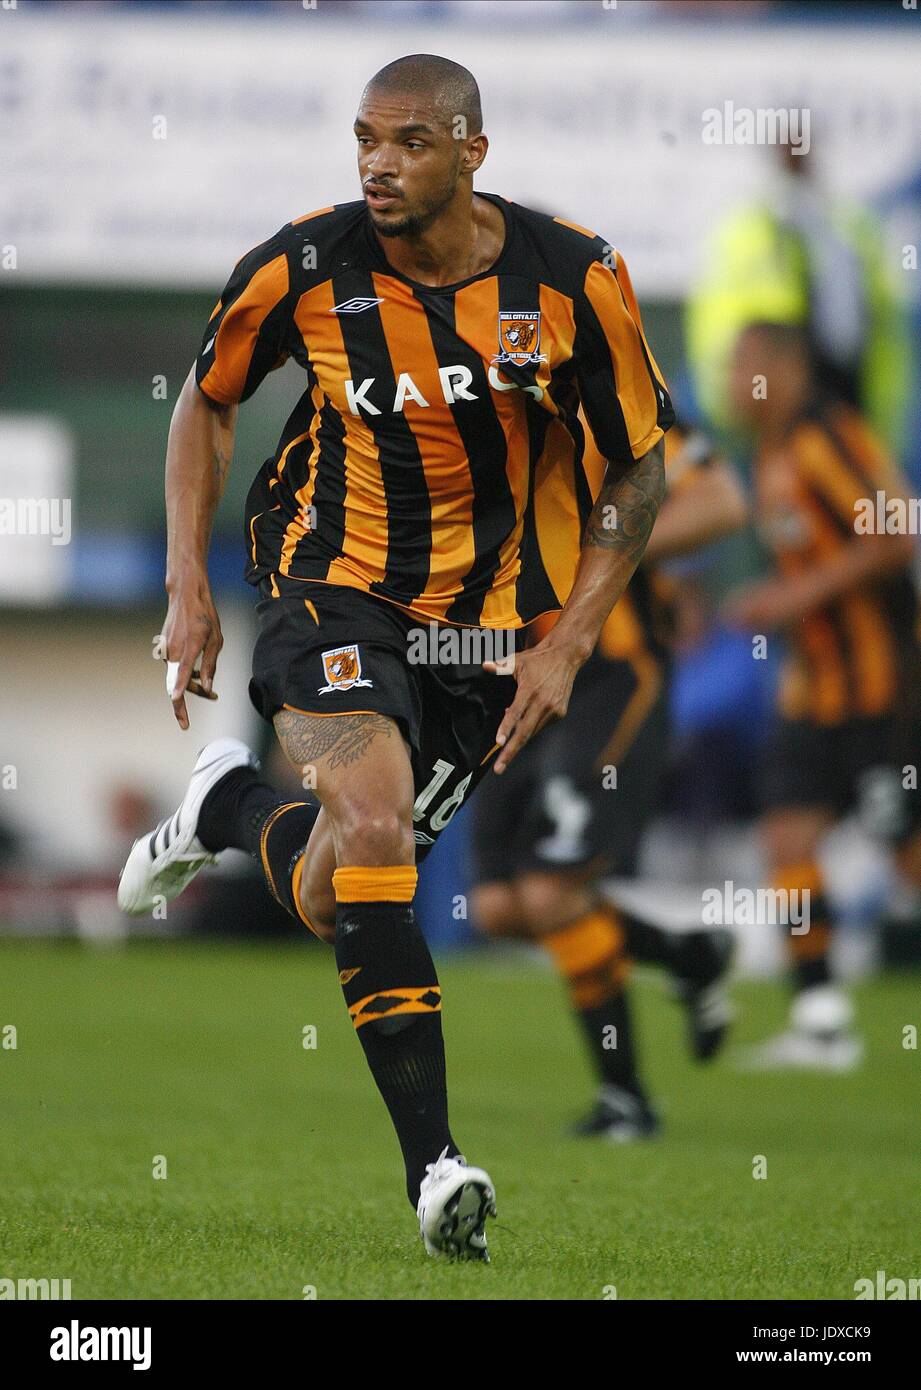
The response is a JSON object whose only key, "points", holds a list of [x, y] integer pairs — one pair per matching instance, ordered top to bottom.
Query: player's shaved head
{"points": [[449, 89], [420, 140]]}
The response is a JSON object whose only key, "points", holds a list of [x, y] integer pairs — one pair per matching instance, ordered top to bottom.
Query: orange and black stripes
{"points": [[246, 334], [618, 366], [433, 460], [495, 461], [392, 514], [638, 628], [847, 655], [804, 888], [381, 895], [589, 954], [388, 1003]]}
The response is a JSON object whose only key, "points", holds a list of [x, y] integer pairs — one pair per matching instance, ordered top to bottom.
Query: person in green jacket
{"points": [[803, 258]]}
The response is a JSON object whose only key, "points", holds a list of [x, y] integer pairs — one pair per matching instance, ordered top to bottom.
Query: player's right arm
{"points": [[246, 337], [198, 455]]}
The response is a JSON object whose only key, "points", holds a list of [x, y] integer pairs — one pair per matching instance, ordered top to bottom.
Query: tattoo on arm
{"points": [[219, 464], [635, 497], [307, 738]]}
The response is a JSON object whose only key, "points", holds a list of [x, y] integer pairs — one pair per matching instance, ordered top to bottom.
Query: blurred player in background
{"points": [[799, 256], [448, 340], [849, 709], [573, 807]]}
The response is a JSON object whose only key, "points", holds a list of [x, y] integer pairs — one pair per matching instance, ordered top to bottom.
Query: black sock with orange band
{"points": [[243, 812], [282, 848], [810, 939], [589, 954], [394, 1000]]}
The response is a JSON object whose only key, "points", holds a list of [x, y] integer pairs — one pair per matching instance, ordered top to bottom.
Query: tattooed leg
{"points": [[340, 740], [359, 766], [363, 777]]}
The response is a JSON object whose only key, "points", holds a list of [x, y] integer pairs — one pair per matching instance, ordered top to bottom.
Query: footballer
{"points": [[448, 339], [571, 812]]}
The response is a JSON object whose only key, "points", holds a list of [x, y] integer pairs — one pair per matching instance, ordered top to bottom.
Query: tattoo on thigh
{"points": [[342, 739]]}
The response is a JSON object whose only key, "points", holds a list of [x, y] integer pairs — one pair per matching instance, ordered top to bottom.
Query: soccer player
{"points": [[448, 338], [849, 708], [572, 809]]}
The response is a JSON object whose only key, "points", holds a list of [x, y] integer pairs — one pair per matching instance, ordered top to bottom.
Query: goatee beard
{"points": [[415, 223]]}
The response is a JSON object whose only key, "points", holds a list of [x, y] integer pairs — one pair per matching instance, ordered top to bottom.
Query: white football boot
{"points": [[163, 863], [820, 1037], [454, 1202]]}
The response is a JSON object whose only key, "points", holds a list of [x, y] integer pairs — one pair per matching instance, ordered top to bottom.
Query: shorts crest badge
{"points": [[519, 338], [342, 669]]}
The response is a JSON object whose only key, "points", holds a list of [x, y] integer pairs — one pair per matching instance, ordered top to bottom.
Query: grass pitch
{"points": [[283, 1173]]}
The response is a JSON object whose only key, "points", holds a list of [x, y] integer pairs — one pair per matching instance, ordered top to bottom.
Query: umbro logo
{"points": [[355, 306]]}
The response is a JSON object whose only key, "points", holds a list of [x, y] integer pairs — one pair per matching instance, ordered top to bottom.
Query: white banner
{"points": [[157, 148], [36, 522]]}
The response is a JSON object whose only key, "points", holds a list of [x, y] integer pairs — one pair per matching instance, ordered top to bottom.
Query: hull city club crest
{"points": [[519, 338], [342, 669]]}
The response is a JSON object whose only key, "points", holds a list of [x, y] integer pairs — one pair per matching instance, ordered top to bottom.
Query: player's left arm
{"points": [[628, 411], [608, 558]]}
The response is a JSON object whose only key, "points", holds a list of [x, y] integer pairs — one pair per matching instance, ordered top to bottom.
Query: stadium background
{"points": [[127, 131], [122, 238]]}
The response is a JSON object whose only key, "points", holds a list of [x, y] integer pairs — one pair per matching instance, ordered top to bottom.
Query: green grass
{"points": [[283, 1172]]}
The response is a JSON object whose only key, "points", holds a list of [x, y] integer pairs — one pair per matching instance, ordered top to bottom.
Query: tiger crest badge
{"points": [[519, 338], [342, 669]]}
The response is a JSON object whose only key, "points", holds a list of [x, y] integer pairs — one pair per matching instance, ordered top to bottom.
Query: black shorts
{"points": [[326, 649], [861, 765], [582, 791]]}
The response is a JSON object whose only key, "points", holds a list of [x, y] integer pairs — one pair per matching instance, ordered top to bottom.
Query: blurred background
{"points": [[146, 146]]}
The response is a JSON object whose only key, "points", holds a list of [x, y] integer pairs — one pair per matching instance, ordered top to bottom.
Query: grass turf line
{"points": [[283, 1172]]}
